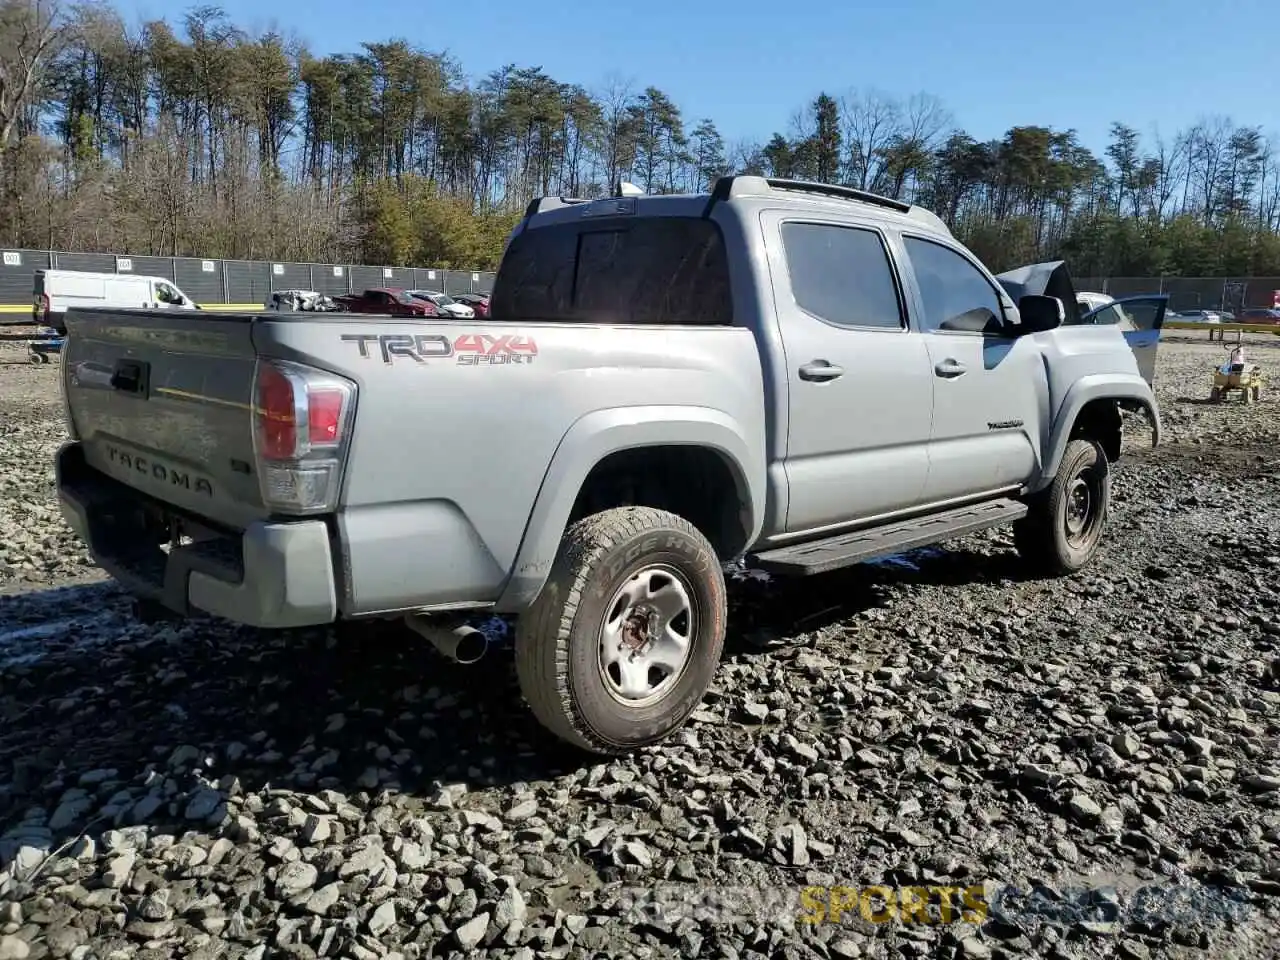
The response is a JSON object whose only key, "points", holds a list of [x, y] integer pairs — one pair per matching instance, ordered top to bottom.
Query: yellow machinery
{"points": [[1237, 375]]}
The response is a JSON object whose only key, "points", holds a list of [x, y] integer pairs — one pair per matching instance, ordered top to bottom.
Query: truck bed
{"points": [[456, 427]]}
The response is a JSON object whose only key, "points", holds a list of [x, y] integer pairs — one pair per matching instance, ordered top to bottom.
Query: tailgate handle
{"points": [[130, 376]]}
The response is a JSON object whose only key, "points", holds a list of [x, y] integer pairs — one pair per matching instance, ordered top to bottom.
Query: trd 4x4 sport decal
{"points": [[470, 349]]}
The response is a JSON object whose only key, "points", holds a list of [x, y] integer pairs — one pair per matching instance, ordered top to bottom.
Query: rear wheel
{"points": [[1215, 395], [1063, 529], [626, 635]]}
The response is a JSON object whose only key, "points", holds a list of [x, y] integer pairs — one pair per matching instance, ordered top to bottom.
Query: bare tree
{"points": [[30, 31], [618, 100], [871, 120], [926, 121], [196, 137], [743, 156], [1208, 156], [1171, 159], [1269, 188]]}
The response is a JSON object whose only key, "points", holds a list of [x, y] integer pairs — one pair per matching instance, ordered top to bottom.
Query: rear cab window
{"points": [[616, 270], [842, 275]]}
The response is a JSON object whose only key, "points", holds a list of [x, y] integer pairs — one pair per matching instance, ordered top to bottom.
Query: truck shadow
{"points": [[1198, 401], [764, 612], [373, 713]]}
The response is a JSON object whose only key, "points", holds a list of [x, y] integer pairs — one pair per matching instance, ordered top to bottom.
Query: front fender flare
{"points": [[1128, 391], [597, 435]]}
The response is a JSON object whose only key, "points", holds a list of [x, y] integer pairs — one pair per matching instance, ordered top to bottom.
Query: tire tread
{"points": [[1035, 536], [543, 632]]}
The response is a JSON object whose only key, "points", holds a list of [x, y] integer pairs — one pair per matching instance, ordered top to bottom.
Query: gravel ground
{"points": [[201, 790]]}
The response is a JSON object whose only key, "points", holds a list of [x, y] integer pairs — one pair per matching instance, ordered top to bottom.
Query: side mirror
{"points": [[1040, 313]]}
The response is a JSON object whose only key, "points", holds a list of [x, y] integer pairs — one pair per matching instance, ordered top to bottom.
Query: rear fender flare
{"points": [[1127, 391], [601, 433]]}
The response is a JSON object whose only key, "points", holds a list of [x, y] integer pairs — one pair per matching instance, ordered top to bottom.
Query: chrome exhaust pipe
{"points": [[465, 645]]}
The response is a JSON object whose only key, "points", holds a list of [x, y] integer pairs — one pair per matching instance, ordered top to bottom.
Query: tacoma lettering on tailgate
{"points": [[470, 349], [158, 471]]}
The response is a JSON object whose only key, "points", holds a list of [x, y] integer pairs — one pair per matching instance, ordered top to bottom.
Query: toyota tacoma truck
{"points": [[792, 375]]}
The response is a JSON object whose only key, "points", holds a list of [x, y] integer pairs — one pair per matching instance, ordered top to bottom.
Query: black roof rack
{"points": [[750, 186], [834, 190], [539, 204]]}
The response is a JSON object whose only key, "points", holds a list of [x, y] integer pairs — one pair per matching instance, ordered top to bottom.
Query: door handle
{"points": [[950, 369], [820, 371], [130, 376]]}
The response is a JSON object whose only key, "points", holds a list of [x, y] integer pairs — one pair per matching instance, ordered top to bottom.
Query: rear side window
{"points": [[647, 270], [841, 275]]}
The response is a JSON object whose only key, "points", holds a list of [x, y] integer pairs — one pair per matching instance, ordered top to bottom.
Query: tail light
{"points": [[301, 427]]}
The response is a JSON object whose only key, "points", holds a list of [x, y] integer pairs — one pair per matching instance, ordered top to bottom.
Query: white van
{"points": [[58, 290]]}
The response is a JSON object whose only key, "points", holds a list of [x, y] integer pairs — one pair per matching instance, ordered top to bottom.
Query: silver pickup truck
{"points": [[795, 375]]}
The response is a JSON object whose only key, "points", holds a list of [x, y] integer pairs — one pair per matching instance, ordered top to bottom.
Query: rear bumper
{"points": [[270, 575]]}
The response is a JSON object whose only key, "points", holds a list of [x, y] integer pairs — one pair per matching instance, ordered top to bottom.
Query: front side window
{"points": [[644, 270], [841, 275], [166, 293], [957, 297], [1110, 315], [1130, 316]]}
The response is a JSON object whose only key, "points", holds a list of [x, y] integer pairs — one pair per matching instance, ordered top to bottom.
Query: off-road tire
{"points": [[1215, 395], [1041, 537], [557, 639]]}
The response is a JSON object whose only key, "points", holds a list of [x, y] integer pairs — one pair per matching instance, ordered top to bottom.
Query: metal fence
{"points": [[233, 281], [250, 282], [1192, 293]]}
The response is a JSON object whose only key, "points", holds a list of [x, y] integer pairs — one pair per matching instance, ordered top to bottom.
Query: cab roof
{"points": [[742, 188]]}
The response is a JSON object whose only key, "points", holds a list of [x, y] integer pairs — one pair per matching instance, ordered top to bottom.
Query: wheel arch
{"points": [[1091, 409], [710, 444]]}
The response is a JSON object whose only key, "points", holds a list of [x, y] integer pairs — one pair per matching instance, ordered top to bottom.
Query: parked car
{"points": [[57, 291], [306, 301], [1089, 301], [479, 302], [396, 303], [447, 306], [1267, 315], [1200, 316], [794, 375]]}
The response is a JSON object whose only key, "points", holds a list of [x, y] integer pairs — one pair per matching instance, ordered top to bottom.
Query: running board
{"points": [[846, 549]]}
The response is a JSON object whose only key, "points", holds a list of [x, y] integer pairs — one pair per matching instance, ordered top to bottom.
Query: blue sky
{"points": [[993, 63]]}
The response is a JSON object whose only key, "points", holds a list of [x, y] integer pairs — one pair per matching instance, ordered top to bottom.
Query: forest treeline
{"points": [[197, 137]]}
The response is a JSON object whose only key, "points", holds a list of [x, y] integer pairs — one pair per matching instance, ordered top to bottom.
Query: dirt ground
{"points": [[1098, 756]]}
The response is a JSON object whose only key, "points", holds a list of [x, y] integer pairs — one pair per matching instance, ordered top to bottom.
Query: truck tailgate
{"points": [[163, 403]]}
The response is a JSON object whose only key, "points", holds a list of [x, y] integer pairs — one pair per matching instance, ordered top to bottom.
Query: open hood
{"points": [[1043, 279], [1139, 318]]}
